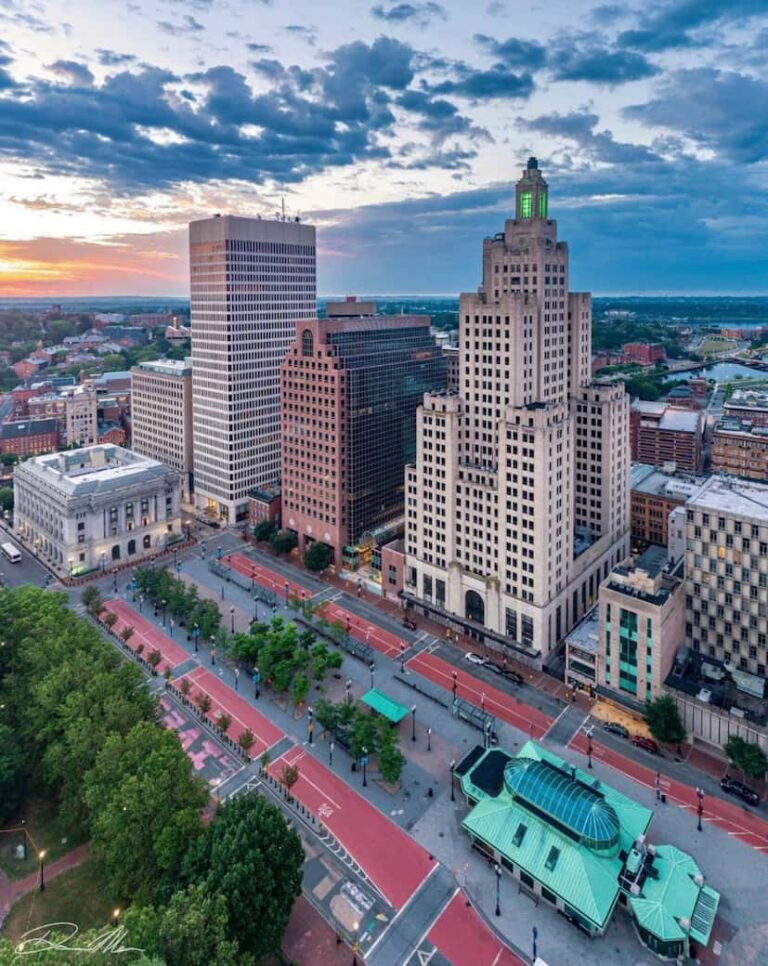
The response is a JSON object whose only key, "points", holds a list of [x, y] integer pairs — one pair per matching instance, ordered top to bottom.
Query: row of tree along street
{"points": [[77, 721]]}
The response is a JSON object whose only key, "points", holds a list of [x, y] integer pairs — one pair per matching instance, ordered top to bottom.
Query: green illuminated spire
{"points": [[532, 192]]}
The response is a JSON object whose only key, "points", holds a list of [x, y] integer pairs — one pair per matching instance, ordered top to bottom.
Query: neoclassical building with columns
{"points": [[95, 507]]}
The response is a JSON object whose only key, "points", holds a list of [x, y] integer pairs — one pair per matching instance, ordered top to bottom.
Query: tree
{"points": [[6, 498], [264, 530], [284, 541], [318, 556], [91, 599], [110, 620], [126, 634], [154, 658], [185, 687], [300, 690], [203, 702], [327, 714], [663, 719], [223, 722], [363, 734], [246, 740], [748, 758], [265, 759], [391, 762], [288, 777], [12, 783], [145, 807], [251, 856], [193, 930]]}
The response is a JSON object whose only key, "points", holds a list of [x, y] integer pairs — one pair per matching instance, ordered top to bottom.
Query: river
{"points": [[721, 372]]}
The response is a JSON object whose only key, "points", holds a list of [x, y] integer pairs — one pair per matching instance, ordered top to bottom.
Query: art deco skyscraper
{"points": [[250, 280], [518, 503]]}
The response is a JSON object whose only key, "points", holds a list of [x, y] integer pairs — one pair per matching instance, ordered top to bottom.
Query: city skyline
{"points": [[401, 125]]}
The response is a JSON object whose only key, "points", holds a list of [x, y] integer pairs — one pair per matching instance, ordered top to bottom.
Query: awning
{"points": [[384, 705]]}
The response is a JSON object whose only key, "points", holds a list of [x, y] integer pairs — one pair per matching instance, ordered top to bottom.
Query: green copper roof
{"points": [[384, 705], [580, 809], [673, 903]]}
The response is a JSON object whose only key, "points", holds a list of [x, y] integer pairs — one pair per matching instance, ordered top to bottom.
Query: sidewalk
{"points": [[12, 890]]}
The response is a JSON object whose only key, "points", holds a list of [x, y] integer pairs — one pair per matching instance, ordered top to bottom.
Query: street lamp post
{"points": [[103, 562], [115, 581], [287, 592], [163, 602], [141, 603], [255, 608], [231, 620], [171, 625], [196, 636], [402, 658], [372, 669], [455, 676], [237, 679], [256, 683], [348, 688], [482, 701], [413, 721], [310, 724], [429, 739], [589, 748], [330, 754], [364, 761], [658, 787], [453, 792], [699, 806], [41, 857], [497, 870], [535, 937]]}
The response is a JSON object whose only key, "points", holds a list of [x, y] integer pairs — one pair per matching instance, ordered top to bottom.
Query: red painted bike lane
{"points": [[264, 576], [145, 632], [379, 638], [504, 706], [243, 715], [736, 820], [394, 862], [464, 939]]}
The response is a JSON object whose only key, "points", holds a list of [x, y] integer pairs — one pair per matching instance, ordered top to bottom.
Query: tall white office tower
{"points": [[251, 280], [518, 503]]}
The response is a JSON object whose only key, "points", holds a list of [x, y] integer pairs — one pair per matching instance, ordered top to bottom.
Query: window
{"points": [[526, 204], [307, 343], [392, 574]]}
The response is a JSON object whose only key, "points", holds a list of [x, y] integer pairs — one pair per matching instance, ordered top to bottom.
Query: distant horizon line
{"points": [[380, 295]]}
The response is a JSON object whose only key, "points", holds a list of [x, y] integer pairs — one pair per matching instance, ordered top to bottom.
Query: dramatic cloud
{"points": [[417, 13], [665, 25], [513, 52], [588, 57], [111, 58], [72, 72], [481, 85], [723, 111], [579, 127]]}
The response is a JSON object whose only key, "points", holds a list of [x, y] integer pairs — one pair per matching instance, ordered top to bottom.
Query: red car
{"points": [[411, 625], [647, 744]]}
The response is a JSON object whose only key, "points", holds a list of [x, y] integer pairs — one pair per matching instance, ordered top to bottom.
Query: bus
{"points": [[11, 552]]}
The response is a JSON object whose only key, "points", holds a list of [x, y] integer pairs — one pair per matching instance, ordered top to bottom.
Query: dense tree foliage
{"points": [[284, 541], [318, 556], [181, 600], [663, 719], [748, 758], [251, 857]]}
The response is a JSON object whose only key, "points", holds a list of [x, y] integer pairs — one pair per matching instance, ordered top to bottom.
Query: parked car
{"points": [[409, 624], [474, 658], [493, 666], [511, 675], [614, 728], [647, 744], [740, 790]]}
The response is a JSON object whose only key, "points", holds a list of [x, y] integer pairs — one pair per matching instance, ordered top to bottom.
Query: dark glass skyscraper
{"points": [[351, 385]]}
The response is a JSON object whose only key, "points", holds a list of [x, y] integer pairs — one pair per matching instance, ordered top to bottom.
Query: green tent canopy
{"points": [[384, 705]]}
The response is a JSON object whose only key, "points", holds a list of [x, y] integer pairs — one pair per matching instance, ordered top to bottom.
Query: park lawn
{"points": [[716, 345], [46, 831], [78, 896]]}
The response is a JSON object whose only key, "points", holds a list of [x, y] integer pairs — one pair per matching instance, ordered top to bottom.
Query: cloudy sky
{"points": [[397, 126]]}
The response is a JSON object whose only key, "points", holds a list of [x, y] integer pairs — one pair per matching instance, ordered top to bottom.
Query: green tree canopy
{"points": [[284, 541], [318, 556], [663, 719], [747, 757], [145, 804], [253, 858], [192, 930]]}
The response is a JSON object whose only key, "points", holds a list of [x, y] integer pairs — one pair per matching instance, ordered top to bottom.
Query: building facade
{"points": [[250, 281], [645, 353], [350, 389], [748, 404], [76, 408], [161, 424], [660, 433], [29, 437], [740, 448], [655, 494], [518, 502], [95, 507], [726, 569], [642, 624]]}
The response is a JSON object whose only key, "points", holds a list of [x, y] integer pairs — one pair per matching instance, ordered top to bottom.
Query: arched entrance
{"points": [[131, 547], [116, 552], [474, 607]]}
